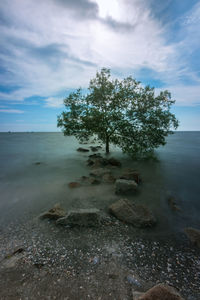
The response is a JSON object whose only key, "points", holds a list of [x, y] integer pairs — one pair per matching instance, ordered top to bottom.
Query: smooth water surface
{"points": [[28, 188]]}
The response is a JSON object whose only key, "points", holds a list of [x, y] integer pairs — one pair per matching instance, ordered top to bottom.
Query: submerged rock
{"points": [[82, 149], [95, 149], [97, 161], [99, 172], [130, 174], [108, 178], [74, 184], [123, 186], [54, 213], [137, 215], [81, 217], [193, 235], [159, 292]]}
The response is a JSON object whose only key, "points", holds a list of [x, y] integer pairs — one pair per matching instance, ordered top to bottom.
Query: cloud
{"points": [[54, 45], [54, 102], [11, 111]]}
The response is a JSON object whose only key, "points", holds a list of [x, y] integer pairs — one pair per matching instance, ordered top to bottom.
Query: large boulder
{"points": [[114, 162], [130, 174], [123, 186], [54, 213], [137, 215], [81, 217], [193, 235], [159, 292]]}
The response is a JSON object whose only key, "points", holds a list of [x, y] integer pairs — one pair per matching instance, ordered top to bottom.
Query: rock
{"points": [[95, 149], [82, 150], [96, 160], [114, 162], [37, 163], [99, 172], [130, 174], [108, 178], [90, 180], [93, 181], [73, 185], [123, 186], [172, 204], [54, 213], [137, 215], [81, 217], [193, 235], [13, 258], [160, 292]]}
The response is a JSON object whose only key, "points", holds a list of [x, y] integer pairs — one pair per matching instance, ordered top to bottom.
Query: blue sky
{"points": [[50, 47]]}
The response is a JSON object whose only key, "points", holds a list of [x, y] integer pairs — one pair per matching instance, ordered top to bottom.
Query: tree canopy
{"points": [[121, 112]]}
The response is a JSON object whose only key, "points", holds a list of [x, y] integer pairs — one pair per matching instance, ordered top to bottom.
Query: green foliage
{"points": [[120, 112]]}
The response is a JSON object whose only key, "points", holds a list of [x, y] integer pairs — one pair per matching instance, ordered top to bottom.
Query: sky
{"points": [[48, 48]]}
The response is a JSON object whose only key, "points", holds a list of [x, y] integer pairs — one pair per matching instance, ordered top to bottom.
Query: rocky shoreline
{"points": [[106, 259]]}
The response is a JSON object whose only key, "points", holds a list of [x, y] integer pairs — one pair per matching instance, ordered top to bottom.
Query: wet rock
{"points": [[82, 149], [95, 149], [96, 160], [114, 162], [37, 163], [99, 172], [130, 174], [108, 178], [93, 181], [73, 185], [123, 186], [172, 204], [54, 213], [137, 215], [81, 217], [193, 235], [12, 259], [159, 292]]}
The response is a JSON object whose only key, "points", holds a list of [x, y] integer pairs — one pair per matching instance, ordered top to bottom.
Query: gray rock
{"points": [[99, 172], [131, 174], [108, 178], [123, 186], [54, 213], [137, 215], [81, 217], [193, 235]]}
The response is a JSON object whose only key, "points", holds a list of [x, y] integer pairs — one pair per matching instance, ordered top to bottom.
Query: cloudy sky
{"points": [[50, 47]]}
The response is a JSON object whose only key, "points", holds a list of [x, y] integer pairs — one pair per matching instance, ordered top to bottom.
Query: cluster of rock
{"points": [[124, 210]]}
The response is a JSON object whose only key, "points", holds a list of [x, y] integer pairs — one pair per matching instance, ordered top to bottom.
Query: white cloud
{"points": [[49, 49], [54, 102], [11, 111]]}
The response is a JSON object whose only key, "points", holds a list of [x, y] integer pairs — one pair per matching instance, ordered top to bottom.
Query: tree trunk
{"points": [[107, 145]]}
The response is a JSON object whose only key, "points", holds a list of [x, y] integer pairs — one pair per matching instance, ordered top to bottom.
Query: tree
{"points": [[121, 112]]}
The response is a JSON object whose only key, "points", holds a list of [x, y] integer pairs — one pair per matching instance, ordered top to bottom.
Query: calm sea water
{"points": [[27, 189]]}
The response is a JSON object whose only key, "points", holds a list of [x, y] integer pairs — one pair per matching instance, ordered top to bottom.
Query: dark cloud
{"points": [[83, 8]]}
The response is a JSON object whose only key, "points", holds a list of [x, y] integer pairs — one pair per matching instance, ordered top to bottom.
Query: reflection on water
{"points": [[36, 168]]}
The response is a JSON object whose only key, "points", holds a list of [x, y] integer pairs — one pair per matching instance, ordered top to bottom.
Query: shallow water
{"points": [[27, 188]]}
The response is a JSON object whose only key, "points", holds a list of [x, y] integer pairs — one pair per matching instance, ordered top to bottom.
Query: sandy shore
{"points": [[109, 262]]}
